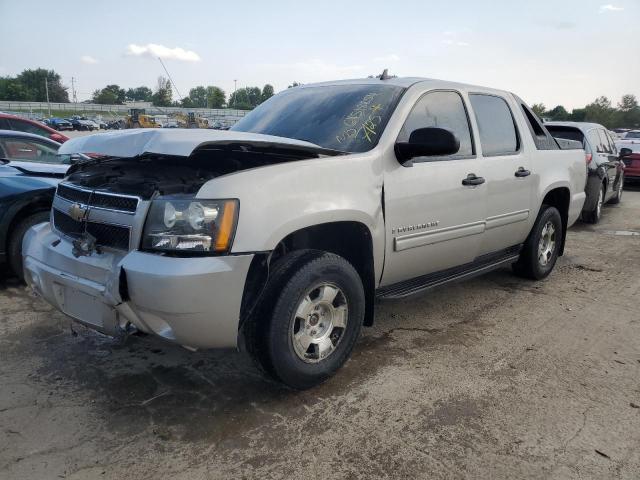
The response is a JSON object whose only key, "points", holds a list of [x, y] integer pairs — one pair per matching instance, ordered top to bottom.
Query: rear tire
{"points": [[620, 187], [594, 215], [14, 248], [540, 251], [309, 319]]}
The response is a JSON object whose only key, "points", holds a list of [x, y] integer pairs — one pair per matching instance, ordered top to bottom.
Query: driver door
{"points": [[433, 221]]}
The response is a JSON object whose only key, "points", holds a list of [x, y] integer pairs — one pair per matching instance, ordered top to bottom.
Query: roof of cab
{"points": [[406, 82]]}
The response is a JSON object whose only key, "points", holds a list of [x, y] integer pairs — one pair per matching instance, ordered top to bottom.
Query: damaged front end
{"points": [[94, 261]]}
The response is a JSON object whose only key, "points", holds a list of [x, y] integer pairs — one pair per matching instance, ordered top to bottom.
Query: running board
{"points": [[481, 265]]}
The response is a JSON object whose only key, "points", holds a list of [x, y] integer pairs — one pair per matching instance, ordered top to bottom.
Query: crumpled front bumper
{"points": [[191, 301]]}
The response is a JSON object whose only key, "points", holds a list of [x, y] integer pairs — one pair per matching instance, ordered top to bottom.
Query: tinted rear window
{"points": [[350, 118], [497, 131], [569, 133]]}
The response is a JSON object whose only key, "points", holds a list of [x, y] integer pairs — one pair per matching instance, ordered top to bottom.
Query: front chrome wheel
{"points": [[547, 244], [319, 322]]}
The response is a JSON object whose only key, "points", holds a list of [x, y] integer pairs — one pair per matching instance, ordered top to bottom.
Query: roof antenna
{"points": [[385, 75]]}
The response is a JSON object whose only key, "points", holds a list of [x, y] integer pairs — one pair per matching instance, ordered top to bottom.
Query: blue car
{"points": [[59, 124], [30, 169]]}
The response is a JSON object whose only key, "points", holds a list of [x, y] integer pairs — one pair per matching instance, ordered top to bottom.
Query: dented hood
{"points": [[179, 142]]}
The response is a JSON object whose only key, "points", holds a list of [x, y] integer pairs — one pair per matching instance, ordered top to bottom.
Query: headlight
{"points": [[190, 225]]}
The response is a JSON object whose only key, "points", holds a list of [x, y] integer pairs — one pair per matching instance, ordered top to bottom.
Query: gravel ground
{"points": [[496, 378]]}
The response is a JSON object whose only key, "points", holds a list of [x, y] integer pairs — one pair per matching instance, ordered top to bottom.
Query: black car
{"points": [[605, 168], [30, 169]]}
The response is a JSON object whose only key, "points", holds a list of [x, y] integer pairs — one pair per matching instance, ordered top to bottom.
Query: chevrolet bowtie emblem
{"points": [[78, 212]]}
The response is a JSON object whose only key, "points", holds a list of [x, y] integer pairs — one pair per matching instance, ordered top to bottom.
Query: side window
{"points": [[444, 110], [4, 124], [27, 127], [497, 130], [541, 136], [594, 140], [604, 140], [612, 145], [29, 151]]}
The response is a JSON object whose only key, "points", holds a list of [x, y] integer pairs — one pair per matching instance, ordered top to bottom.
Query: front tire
{"points": [[14, 248], [540, 251], [309, 320]]}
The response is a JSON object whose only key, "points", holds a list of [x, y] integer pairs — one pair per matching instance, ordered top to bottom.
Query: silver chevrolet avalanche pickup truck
{"points": [[280, 233]]}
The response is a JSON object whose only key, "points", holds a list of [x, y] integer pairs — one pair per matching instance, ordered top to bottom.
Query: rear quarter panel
{"points": [[560, 169]]}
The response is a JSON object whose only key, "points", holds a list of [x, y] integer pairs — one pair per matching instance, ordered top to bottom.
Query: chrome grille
{"points": [[73, 194], [97, 199], [109, 218], [114, 236]]}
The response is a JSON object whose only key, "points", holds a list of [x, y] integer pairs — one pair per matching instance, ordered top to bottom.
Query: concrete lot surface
{"points": [[496, 378]]}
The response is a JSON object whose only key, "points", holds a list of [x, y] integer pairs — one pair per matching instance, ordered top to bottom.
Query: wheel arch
{"points": [[560, 198], [19, 211], [350, 239]]}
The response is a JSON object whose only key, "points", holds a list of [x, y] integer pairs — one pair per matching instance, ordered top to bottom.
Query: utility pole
{"points": [[46, 89], [235, 89], [73, 90]]}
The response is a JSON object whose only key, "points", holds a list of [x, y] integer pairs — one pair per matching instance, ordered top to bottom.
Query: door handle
{"points": [[521, 172], [472, 179]]}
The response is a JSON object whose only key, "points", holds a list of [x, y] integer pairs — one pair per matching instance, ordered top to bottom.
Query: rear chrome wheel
{"points": [[547, 244], [540, 251], [319, 322]]}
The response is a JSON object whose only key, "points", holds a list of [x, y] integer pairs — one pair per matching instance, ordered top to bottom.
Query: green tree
{"points": [[33, 83], [294, 84], [11, 89], [267, 92], [139, 94], [109, 95], [163, 95], [104, 97], [198, 97], [216, 97], [245, 98], [186, 102], [539, 109], [600, 111], [628, 112], [558, 113], [578, 115]]}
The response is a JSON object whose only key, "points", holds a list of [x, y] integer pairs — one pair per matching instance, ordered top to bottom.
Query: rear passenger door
{"points": [[610, 159], [507, 170]]}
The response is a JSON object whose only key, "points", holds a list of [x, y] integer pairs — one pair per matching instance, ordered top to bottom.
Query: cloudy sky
{"points": [[555, 52]]}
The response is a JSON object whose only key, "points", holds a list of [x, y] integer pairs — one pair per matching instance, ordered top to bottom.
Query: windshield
{"points": [[349, 118], [632, 135]]}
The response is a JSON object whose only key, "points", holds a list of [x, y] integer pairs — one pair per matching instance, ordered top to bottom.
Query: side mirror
{"points": [[427, 142], [625, 152], [74, 158]]}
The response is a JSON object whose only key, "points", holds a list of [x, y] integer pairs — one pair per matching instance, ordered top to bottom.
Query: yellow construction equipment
{"points": [[138, 118], [190, 120]]}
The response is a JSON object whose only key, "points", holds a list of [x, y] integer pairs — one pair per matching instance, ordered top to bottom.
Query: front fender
{"points": [[280, 199]]}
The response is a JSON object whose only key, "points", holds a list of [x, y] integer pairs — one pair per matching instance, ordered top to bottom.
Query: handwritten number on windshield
{"points": [[363, 118]]}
